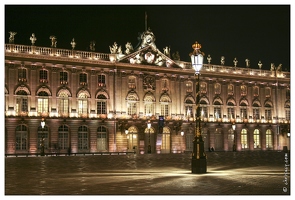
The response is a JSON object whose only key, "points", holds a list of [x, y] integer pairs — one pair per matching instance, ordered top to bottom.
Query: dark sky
{"points": [[256, 32]]}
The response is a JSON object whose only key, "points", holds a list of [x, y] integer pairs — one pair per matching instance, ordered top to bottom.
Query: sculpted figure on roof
{"points": [[147, 39]]}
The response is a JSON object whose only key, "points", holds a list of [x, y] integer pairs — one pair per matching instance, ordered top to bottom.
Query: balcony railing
{"points": [[65, 53]]}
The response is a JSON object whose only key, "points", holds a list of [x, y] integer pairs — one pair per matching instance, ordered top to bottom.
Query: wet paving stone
{"points": [[228, 173]]}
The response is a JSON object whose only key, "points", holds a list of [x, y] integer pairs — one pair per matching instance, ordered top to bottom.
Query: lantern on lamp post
{"points": [[149, 129], [234, 129], [42, 137], [199, 158]]}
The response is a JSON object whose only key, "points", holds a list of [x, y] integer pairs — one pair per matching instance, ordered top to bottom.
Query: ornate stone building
{"points": [[102, 102]]}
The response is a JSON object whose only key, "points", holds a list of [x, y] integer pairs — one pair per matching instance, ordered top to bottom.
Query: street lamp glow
{"points": [[199, 158]]}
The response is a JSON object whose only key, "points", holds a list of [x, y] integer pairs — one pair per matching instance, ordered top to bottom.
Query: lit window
{"points": [[42, 102], [244, 139]]}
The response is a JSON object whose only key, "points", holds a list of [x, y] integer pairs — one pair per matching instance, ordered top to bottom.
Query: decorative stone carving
{"points": [[11, 37], [33, 39], [149, 83]]}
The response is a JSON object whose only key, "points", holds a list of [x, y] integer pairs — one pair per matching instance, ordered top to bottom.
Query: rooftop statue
{"points": [[11, 37], [147, 38], [33, 39], [53, 41], [73, 43], [92, 45], [129, 48], [115, 49], [167, 51], [176, 56], [209, 59], [222, 61], [235, 62], [247, 62], [260, 64]]}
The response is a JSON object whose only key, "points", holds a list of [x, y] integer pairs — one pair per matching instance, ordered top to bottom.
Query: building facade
{"points": [[103, 102]]}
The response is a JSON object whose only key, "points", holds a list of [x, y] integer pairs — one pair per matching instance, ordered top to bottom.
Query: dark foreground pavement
{"points": [[228, 173]]}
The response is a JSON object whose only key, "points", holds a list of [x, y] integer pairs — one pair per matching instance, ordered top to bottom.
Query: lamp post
{"points": [[149, 128], [234, 129], [126, 132], [42, 137], [199, 158]]}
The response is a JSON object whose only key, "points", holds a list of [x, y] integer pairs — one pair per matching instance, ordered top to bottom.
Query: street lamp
{"points": [[149, 128], [234, 129], [126, 132], [182, 133], [42, 137], [199, 158]]}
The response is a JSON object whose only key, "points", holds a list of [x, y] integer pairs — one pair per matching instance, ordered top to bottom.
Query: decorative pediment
{"points": [[149, 56]]}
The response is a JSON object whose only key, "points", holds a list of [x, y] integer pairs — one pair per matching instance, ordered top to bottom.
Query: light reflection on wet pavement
{"points": [[233, 173]]}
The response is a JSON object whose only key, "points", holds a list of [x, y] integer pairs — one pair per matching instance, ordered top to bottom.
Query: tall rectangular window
{"points": [[22, 74], [43, 76], [63, 77], [83, 79], [101, 79], [42, 105], [82, 106], [101, 107], [131, 108], [164, 109], [217, 112], [231, 113], [243, 113], [256, 113], [268, 114], [82, 141]]}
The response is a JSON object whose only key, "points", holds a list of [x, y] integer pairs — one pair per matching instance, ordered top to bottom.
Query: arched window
{"points": [[21, 102], [43, 102], [63, 104], [82, 104], [131, 104], [149, 105], [165, 105], [101, 106], [189, 107], [256, 111], [268, 111], [256, 136], [21, 137], [63, 137], [132, 137], [83, 138], [268, 138], [244, 139], [102, 140], [165, 146]]}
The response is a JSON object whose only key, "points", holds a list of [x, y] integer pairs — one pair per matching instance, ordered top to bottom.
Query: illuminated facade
{"points": [[88, 100]]}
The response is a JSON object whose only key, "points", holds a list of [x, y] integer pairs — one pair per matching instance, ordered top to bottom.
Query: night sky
{"points": [[256, 32]]}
